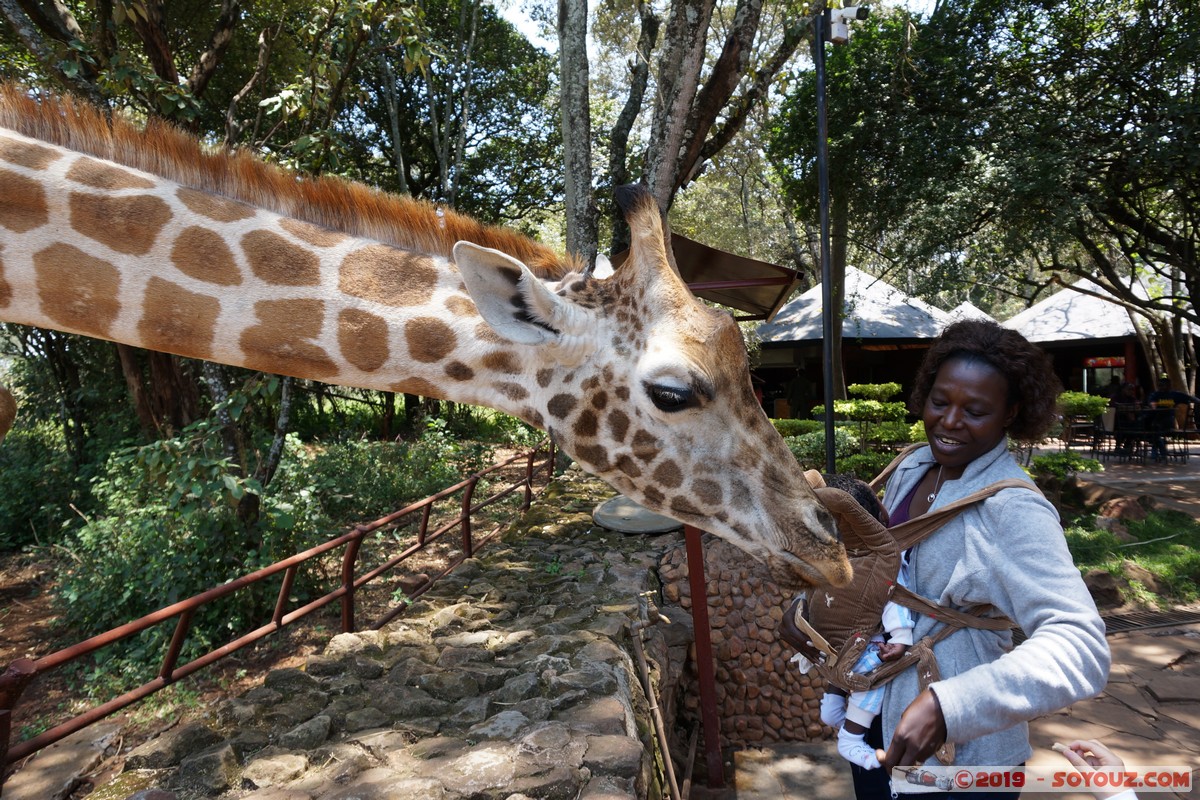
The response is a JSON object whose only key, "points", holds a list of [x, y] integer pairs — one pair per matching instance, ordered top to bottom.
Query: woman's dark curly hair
{"points": [[1032, 384]]}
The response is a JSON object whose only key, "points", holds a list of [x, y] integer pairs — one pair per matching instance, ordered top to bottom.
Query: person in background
{"points": [[979, 384]]}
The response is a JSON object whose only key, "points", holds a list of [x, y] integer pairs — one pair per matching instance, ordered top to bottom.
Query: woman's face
{"points": [[966, 413]]}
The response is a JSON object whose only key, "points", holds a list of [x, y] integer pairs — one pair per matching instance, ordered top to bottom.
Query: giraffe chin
{"points": [[793, 574]]}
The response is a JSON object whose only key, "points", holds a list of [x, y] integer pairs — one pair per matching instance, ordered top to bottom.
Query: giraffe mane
{"points": [[353, 208]]}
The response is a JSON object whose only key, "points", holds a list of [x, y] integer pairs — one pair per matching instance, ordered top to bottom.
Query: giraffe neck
{"points": [[115, 252]]}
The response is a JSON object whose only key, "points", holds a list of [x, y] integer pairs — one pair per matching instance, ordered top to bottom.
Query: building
{"points": [[885, 333]]}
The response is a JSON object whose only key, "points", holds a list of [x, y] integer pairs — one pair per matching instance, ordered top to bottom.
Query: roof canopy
{"points": [[755, 288], [873, 310]]}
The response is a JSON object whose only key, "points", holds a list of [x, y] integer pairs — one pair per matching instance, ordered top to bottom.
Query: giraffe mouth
{"points": [[790, 572]]}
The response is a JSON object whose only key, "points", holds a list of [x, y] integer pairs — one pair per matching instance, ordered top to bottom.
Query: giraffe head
{"points": [[649, 389]]}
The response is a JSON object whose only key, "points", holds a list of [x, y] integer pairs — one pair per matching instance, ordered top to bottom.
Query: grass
{"points": [[1166, 544]]}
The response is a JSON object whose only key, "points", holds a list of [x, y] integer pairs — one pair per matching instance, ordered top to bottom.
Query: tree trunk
{"points": [[679, 81], [582, 216]]}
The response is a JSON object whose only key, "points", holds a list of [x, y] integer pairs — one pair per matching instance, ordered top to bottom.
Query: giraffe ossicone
{"points": [[142, 236]]}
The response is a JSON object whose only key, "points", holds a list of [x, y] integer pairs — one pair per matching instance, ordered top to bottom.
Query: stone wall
{"points": [[761, 696]]}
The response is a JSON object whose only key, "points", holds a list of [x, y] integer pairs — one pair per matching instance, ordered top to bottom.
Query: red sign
{"points": [[1107, 361]]}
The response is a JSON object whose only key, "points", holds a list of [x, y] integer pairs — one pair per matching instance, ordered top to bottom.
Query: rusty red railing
{"points": [[20, 673]]}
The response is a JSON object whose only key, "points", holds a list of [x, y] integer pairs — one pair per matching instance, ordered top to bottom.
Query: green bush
{"points": [[881, 392], [1081, 404], [797, 427], [809, 449], [1060, 465], [864, 466], [398, 473], [37, 485], [166, 527]]}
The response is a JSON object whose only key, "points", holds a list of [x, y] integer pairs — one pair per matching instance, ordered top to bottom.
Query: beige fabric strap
{"points": [[914, 530]]}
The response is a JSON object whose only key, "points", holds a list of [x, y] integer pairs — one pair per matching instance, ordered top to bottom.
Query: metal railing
{"points": [[21, 672]]}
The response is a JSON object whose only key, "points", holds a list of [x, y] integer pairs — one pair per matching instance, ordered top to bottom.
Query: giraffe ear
{"points": [[514, 301]]}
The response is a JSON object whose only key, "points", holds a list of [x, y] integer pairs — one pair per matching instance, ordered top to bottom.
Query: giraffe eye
{"points": [[670, 398]]}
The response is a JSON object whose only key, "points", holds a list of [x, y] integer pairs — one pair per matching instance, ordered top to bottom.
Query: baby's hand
{"points": [[890, 651], [1089, 755]]}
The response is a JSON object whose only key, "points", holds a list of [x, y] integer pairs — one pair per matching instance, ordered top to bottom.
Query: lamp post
{"points": [[831, 23]]}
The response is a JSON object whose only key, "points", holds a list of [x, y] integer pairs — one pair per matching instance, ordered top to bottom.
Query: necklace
{"points": [[937, 485]]}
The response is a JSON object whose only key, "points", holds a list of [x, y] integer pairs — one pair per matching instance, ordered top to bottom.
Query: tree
{"points": [[705, 66], [1038, 143]]}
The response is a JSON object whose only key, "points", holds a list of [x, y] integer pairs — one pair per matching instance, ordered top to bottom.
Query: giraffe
{"points": [[141, 235]]}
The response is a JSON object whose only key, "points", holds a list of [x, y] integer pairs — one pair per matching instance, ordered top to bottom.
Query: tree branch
{"points": [[222, 34], [33, 38], [154, 41], [726, 74]]}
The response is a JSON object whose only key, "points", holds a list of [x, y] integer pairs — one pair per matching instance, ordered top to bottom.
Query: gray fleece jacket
{"points": [[1008, 551]]}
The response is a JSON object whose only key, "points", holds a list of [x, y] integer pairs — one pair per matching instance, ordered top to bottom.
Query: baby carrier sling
{"points": [[834, 626]]}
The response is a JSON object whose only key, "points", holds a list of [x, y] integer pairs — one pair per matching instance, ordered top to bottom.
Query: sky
{"points": [[514, 12]]}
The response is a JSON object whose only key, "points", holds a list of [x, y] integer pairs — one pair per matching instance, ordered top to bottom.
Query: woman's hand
{"points": [[922, 730]]}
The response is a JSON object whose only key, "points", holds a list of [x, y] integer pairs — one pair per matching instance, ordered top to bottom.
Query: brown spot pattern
{"points": [[25, 154], [99, 175], [22, 202], [218, 209], [126, 224], [312, 234], [203, 255], [277, 261], [389, 276], [5, 288], [77, 290], [460, 306], [175, 320], [485, 333], [363, 338], [429, 339], [279, 342], [501, 361], [459, 371], [544, 376], [418, 386], [513, 391], [622, 393], [600, 400], [561, 405], [533, 417], [586, 424], [618, 424], [645, 446], [594, 455], [628, 466], [668, 474], [707, 492], [654, 496], [683, 506]]}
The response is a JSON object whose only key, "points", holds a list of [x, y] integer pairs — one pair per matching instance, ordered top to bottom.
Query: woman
{"points": [[979, 384]]}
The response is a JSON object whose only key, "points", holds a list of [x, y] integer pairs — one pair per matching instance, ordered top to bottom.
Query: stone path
{"points": [[509, 679]]}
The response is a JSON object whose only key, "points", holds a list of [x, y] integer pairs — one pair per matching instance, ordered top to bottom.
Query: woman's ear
{"points": [[1011, 415]]}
